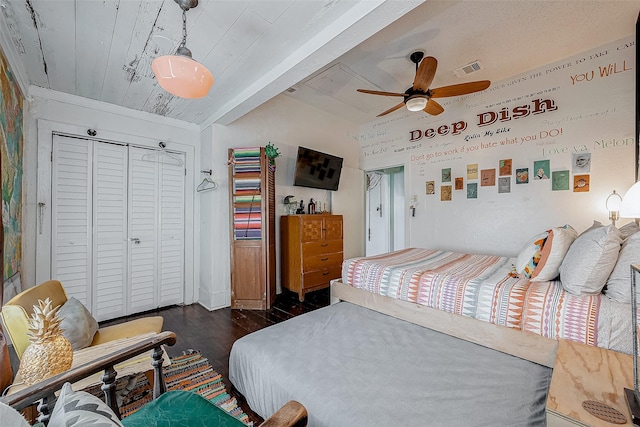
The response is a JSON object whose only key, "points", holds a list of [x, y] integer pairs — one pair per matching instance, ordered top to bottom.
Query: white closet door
{"points": [[144, 215], [110, 230], [71, 244], [171, 280]]}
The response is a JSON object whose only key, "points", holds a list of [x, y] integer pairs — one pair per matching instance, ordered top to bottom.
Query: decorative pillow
{"points": [[596, 224], [628, 229], [553, 252], [590, 260], [525, 262], [619, 283], [78, 325], [79, 408], [11, 417]]}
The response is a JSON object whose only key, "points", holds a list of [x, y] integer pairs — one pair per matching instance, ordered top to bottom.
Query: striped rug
{"points": [[191, 372]]}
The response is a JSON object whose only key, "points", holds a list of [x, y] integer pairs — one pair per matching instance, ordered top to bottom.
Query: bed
{"points": [[429, 337]]}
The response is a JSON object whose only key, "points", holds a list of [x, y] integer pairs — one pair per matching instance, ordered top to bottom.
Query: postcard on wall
{"points": [[581, 163], [505, 167], [541, 169], [472, 171], [446, 175], [522, 176], [487, 177], [560, 180], [459, 183], [580, 183], [504, 184], [431, 187], [472, 190], [445, 193]]}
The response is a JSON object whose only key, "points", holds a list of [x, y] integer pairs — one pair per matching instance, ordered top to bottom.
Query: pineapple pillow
{"points": [[78, 325]]}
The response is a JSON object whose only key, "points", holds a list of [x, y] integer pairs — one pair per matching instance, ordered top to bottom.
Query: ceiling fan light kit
{"points": [[179, 74], [420, 97], [416, 103]]}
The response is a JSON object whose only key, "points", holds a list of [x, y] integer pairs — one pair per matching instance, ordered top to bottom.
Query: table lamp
{"points": [[630, 208]]}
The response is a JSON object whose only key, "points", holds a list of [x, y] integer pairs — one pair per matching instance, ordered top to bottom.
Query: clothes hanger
{"points": [[162, 156], [207, 183]]}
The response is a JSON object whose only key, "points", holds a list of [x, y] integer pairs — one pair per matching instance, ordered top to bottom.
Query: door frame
{"points": [[46, 129], [395, 211]]}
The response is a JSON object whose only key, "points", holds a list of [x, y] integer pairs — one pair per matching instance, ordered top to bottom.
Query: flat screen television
{"points": [[317, 170]]}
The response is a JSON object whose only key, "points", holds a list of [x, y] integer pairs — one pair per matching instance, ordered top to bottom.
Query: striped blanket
{"points": [[477, 286]]}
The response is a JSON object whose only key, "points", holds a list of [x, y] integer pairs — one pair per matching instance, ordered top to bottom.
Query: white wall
{"points": [[595, 99], [47, 111], [287, 124]]}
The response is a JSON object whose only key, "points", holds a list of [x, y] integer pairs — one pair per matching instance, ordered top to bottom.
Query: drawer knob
{"points": [[324, 244], [324, 259], [325, 273]]}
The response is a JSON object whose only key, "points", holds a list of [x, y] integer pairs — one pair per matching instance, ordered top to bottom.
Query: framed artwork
{"points": [[580, 163], [505, 167], [541, 169], [472, 171], [446, 175], [522, 176], [487, 177], [560, 180], [459, 183], [581, 183], [504, 184], [430, 187], [472, 190], [445, 193]]}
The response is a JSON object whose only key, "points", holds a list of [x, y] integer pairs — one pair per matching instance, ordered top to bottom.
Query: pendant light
{"points": [[179, 74]]}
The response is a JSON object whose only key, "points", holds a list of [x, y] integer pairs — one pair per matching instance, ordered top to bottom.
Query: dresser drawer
{"points": [[322, 247], [319, 262], [320, 277]]}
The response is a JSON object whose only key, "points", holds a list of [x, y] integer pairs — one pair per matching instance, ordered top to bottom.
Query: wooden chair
{"points": [[290, 415]]}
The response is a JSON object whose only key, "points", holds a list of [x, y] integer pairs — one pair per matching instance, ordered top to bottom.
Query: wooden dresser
{"points": [[311, 251]]}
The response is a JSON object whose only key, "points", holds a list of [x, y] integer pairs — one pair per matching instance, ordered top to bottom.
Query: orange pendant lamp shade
{"points": [[182, 76]]}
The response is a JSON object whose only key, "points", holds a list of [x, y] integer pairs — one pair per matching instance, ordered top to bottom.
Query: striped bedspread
{"points": [[477, 286]]}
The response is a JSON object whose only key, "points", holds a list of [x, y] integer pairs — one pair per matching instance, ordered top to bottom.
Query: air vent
{"points": [[467, 69], [291, 90]]}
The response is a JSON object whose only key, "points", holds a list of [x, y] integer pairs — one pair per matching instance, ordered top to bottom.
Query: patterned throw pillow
{"points": [[553, 252], [535, 259], [78, 408]]}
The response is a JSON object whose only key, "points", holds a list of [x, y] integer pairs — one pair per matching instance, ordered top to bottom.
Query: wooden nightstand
{"points": [[582, 373]]}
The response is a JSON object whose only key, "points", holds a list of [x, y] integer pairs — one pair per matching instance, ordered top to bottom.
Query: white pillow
{"points": [[629, 229], [528, 251], [553, 252], [590, 260], [619, 283], [78, 325], [79, 408], [11, 417]]}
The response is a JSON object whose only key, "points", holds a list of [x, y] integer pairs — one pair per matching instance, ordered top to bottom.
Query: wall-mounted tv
{"points": [[317, 170]]}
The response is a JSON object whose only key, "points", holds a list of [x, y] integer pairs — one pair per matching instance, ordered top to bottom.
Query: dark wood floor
{"points": [[214, 332]]}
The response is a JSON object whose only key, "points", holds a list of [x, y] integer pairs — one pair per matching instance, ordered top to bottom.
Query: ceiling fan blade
{"points": [[426, 72], [459, 89], [377, 92], [433, 108], [391, 110]]}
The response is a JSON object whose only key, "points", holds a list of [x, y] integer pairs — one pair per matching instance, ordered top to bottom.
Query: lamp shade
{"points": [[182, 76], [416, 103], [630, 206]]}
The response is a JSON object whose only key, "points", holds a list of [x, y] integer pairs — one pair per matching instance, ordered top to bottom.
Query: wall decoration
{"points": [[11, 141], [581, 163], [505, 167], [542, 169], [472, 171], [446, 175], [522, 176], [487, 177], [560, 180], [459, 183], [581, 183], [504, 184], [430, 187], [472, 190], [445, 193]]}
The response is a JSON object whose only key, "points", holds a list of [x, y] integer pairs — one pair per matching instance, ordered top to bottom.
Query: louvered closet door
{"points": [[71, 216], [156, 230]]}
